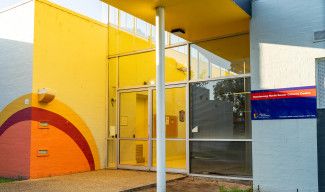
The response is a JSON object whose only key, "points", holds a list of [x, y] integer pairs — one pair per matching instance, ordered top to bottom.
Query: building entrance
{"points": [[136, 133]]}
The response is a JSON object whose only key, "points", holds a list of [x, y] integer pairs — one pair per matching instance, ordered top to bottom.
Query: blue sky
{"points": [[89, 8]]}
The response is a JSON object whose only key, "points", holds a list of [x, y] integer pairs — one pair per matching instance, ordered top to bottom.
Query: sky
{"points": [[85, 7]]}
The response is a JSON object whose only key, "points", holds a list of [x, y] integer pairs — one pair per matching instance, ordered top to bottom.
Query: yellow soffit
{"points": [[201, 19]]}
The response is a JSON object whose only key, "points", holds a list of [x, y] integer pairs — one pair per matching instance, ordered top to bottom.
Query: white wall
{"points": [[16, 51], [283, 55]]}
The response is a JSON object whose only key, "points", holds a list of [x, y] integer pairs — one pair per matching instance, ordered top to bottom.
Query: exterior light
{"points": [[178, 31], [152, 82]]}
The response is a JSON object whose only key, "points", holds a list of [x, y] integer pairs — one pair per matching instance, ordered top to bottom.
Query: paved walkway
{"points": [[97, 181]]}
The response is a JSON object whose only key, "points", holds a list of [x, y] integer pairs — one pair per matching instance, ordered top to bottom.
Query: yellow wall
{"points": [[70, 57]]}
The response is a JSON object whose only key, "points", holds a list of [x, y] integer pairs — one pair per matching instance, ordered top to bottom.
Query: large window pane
{"points": [[222, 57], [176, 64], [140, 69], [137, 70], [220, 109], [175, 113], [134, 115], [134, 152], [175, 154], [231, 158]]}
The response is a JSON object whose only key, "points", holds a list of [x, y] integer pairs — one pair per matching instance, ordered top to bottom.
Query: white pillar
{"points": [[160, 81]]}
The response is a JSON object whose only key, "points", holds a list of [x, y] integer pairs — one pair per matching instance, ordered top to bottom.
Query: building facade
{"points": [[79, 94]]}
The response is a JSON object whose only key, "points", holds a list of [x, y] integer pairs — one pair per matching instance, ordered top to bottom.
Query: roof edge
{"points": [[246, 5]]}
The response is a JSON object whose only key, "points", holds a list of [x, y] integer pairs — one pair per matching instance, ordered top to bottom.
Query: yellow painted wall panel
{"points": [[70, 57]]}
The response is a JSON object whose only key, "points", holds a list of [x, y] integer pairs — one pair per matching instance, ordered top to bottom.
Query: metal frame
{"points": [[176, 45], [317, 61], [150, 88], [150, 139], [222, 177]]}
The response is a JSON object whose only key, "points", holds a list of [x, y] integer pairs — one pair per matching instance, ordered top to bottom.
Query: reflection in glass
{"points": [[218, 58], [176, 64], [140, 69], [137, 70], [220, 109], [175, 113], [134, 115], [133, 152], [175, 154], [221, 158]]}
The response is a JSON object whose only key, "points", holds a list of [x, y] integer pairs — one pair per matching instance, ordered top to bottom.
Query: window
{"points": [[113, 15], [126, 21], [142, 28], [221, 57], [140, 69], [220, 109], [227, 158]]}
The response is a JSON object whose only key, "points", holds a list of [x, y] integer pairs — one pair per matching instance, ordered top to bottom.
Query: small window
{"points": [[113, 15], [126, 21], [142, 28]]}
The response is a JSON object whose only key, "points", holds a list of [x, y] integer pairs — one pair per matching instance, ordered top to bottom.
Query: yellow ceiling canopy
{"points": [[200, 19]]}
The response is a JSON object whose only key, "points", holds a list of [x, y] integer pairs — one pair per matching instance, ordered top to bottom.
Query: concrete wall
{"points": [[16, 51], [283, 55], [16, 58]]}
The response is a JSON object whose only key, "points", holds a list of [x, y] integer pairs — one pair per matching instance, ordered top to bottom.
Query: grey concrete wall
{"points": [[16, 51], [283, 55]]}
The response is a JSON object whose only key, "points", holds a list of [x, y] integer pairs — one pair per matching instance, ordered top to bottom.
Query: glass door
{"points": [[133, 129], [137, 129]]}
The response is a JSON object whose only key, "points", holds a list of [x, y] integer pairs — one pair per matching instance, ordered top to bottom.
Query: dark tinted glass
{"points": [[220, 109], [221, 158]]}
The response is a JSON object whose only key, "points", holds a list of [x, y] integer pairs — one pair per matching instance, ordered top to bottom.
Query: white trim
{"points": [[221, 78], [169, 84]]}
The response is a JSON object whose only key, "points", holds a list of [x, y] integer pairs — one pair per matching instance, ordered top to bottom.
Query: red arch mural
{"points": [[38, 114]]}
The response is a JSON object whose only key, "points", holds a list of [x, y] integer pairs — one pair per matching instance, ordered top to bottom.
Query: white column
{"points": [[160, 80]]}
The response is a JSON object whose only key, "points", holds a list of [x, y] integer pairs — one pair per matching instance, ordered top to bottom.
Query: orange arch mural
{"points": [[58, 116], [55, 120]]}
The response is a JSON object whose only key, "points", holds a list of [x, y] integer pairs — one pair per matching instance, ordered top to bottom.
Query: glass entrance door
{"points": [[133, 129], [137, 129]]}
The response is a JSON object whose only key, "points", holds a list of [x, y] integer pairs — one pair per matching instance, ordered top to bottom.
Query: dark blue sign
{"points": [[287, 103]]}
